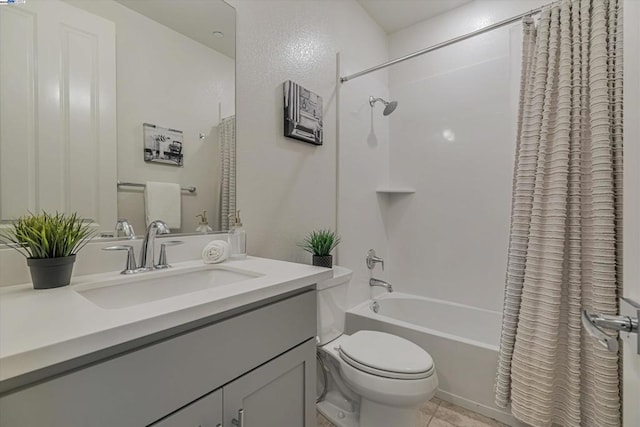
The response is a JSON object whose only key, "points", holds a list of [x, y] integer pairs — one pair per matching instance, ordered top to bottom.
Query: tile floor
{"points": [[438, 413]]}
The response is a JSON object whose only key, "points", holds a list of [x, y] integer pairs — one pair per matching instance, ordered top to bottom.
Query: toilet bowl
{"points": [[374, 379]]}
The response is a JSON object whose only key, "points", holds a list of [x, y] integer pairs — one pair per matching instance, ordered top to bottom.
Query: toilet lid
{"points": [[386, 355]]}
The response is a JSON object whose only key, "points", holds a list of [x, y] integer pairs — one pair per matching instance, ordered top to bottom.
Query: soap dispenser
{"points": [[203, 226], [237, 238]]}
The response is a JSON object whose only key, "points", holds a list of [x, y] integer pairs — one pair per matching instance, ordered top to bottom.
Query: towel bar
{"points": [[135, 184]]}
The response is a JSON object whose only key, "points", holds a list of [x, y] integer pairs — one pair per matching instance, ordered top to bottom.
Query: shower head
{"points": [[389, 107]]}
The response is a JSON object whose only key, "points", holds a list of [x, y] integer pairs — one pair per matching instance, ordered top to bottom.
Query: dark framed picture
{"points": [[302, 114], [163, 145]]}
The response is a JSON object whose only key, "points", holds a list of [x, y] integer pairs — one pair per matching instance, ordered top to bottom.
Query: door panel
{"points": [[17, 112], [57, 112], [279, 393]]}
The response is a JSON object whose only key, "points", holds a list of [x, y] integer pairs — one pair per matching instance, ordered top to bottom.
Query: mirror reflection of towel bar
{"points": [[136, 184]]}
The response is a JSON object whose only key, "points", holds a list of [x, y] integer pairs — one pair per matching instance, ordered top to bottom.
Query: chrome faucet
{"points": [[123, 227], [147, 253], [382, 283]]}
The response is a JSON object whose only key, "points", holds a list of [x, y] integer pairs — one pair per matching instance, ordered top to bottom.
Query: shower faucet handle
{"points": [[372, 260]]}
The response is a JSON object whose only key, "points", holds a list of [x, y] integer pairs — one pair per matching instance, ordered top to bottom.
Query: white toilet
{"points": [[368, 379]]}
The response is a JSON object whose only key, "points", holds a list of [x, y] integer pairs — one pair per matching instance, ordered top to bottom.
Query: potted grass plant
{"points": [[320, 243], [50, 244]]}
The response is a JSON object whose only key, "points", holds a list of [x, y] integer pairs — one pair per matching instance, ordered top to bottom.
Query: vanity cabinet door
{"points": [[279, 393], [204, 412]]}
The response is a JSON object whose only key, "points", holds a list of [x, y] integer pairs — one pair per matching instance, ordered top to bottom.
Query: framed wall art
{"points": [[302, 114], [163, 145]]}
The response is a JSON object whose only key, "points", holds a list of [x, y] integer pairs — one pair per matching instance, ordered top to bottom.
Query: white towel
{"points": [[162, 201], [215, 252]]}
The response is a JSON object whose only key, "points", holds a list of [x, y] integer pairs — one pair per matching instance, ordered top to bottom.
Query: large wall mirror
{"points": [[79, 79]]}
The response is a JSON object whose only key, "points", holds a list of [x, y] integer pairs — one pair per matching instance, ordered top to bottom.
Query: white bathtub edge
{"points": [[363, 309], [503, 417]]}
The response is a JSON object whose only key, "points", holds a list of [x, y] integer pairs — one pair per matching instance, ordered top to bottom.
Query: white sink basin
{"points": [[141, 288]]}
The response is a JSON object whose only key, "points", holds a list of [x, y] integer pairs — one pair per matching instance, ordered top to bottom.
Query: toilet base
{"points": [[372, 414], [337, 416]]}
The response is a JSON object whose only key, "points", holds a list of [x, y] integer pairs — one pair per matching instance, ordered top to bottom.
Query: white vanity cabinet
{"points": [[261, 360]]}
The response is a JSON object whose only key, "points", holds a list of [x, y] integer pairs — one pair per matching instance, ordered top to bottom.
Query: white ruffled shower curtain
{"points": [[227, 130], [565, 251]]}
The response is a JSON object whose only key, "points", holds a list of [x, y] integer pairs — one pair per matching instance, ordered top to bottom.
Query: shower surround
{"points": [[453, 140]]}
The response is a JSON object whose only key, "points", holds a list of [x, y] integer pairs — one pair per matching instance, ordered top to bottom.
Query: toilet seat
{"points": [[386, 355], [383, 373]]}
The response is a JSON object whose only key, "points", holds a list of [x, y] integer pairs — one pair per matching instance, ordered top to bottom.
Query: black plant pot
{"points": [[323, 260], [47, 273]]}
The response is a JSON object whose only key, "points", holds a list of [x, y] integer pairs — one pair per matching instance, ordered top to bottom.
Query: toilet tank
{"points": [[332, 304]]}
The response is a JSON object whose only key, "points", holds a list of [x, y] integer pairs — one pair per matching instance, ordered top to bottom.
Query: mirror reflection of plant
{"points": [[48, 236], [320, 242]]}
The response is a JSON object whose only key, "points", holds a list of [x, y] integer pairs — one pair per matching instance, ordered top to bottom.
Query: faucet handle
{"points": [[372, 259], [162, 262], [131, 266]]}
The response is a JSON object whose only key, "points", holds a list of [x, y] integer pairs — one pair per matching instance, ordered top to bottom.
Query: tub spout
{"points": [[382, 283]]}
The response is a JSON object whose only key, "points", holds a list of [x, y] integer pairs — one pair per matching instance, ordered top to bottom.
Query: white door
{"points": [[57, 111], [631, 359]]}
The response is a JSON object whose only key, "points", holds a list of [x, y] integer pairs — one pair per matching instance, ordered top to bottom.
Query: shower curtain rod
{"points": [[445, 43]]}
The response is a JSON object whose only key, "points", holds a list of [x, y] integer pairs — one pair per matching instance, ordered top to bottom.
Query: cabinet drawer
{"points": [[140, 387]]}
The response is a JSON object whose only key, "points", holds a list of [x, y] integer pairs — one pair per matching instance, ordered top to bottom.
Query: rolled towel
{"points": [[215, 252]]}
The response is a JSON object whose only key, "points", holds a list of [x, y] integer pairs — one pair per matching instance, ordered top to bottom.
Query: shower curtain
{"points": [[227, 129], [565, 251]]}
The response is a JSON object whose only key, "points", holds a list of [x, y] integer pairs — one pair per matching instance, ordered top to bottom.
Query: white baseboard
{"points": [[494, 413]]}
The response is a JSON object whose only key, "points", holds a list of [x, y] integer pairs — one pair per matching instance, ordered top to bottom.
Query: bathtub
{"points": [[462, 340]]}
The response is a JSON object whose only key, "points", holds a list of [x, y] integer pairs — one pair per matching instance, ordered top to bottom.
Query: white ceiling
{"points": [[394, 15], [196, 19]]}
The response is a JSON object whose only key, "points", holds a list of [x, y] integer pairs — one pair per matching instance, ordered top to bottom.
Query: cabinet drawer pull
{"points": [[240, 421]]}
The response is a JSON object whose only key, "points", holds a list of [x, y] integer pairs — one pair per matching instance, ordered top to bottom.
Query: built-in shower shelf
{"points": [[395, 190]]}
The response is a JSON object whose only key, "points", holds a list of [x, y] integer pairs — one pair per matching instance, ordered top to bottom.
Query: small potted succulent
{"points": [[320, 243], [50, 244]]}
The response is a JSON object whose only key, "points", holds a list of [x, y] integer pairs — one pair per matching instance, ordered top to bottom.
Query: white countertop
{"points": [[42, 328]]}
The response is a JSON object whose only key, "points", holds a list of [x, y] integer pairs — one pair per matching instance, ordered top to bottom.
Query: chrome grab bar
{"points": [[595, 323], [616, 323], [609, 342]]}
